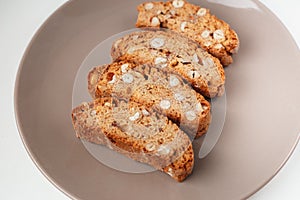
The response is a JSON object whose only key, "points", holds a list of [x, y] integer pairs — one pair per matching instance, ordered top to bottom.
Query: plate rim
{"points": [[16, 106]]}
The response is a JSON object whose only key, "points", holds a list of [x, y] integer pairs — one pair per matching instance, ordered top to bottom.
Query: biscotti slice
{"points": [[195, 22], [176, 53], [157, 89], [137, 133]]}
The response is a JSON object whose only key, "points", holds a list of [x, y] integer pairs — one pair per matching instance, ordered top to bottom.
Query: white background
{"points": [[19, 178]]}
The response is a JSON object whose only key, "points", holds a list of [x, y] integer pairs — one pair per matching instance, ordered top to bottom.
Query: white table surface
{"points": [[19, 177]]}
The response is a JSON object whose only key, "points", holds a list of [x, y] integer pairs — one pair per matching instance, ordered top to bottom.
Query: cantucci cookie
{"points": [[195, 22], [176, 53], [157, 89], [138, 133]]}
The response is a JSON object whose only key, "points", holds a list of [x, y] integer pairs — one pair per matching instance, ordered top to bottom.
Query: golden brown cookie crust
{"points": [[197, 23], [176, 53], [152, 87], [167, 149]]}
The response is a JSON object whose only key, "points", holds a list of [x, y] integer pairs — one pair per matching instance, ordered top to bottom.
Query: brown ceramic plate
{"points": [[262, 120]]}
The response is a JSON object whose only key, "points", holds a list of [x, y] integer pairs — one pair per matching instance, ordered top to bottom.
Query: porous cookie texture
{"points": [[195, 22], [175, 53], [165, 92], [136, 132]]}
